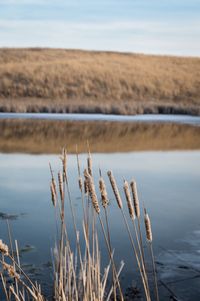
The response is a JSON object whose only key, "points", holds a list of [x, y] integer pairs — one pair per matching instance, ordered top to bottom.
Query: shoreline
{"points": [[108, 108]]}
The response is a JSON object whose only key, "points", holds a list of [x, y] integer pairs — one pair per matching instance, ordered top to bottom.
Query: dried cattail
{"points": [[64, 161], [89, 163], [60, 181], [80, 183], [86, 186], [115, 189], [92, 191], [53, 194], [104, 195], [135, 198], [128, 199], [148, 227], [3, 248], [11, 271]]}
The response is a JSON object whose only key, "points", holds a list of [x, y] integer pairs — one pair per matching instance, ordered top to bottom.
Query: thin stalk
{"points": [[136, 255], [111, 257], [154, 271]]}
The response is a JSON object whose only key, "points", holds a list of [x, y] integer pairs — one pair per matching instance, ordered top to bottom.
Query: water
{"points": [[193, 120], [168, 184]]}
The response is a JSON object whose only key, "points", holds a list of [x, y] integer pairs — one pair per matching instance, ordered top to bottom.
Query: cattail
{"points": [[64, 162], [89, 163], [60, 181], [80, 183], [54, 185], [86, 186], [115, 189], [92, 191], [53, 194], [104, 195], [135, 198], [128, 199], [148, 227], [3, 248], [11, 271]]}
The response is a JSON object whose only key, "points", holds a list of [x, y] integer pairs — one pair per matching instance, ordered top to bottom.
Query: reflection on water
{"points": [[47, 136], [168, 183]]}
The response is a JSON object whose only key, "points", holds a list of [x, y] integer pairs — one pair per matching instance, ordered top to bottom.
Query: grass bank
{"points": [[53, 80], [39, 136]]}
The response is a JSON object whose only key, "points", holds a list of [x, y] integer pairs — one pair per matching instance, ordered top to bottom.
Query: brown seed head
{"points": [[64, 161], [89, 163], [60, 181], [80, 183], [86, 186], [115, 189], [92, 191], [53, 194], [104, 195], [135, 198], [128, 199], [148, 227], [3, 248], [11, 271]]}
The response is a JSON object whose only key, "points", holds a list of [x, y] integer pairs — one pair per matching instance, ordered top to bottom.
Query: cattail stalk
{"points": [[105, 201], [119, 202], [137, 214], [132, 216], [149, 237]]}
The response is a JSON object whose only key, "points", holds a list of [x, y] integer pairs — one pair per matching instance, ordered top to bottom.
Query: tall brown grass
{"points": [[47, 80], [78, 273]]}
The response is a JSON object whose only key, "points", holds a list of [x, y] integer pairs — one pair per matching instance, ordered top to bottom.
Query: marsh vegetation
{"points": [[47, 80]]}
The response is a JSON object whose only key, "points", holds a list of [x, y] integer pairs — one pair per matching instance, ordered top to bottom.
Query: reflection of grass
{"points": [[47, 80], [47, 136]]}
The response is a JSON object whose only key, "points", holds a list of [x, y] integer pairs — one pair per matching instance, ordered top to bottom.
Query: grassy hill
{"points": [[53, 80]]}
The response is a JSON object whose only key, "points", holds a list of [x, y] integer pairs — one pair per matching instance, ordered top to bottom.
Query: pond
{"points": [[168, 183]]}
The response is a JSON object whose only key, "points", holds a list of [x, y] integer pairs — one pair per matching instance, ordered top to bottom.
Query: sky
{"points": [[145, 26]]}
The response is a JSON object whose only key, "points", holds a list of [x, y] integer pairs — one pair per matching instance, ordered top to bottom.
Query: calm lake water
{"points": [[186, 119], [168, 184]]}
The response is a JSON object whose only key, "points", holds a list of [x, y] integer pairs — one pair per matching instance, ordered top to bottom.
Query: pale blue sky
{"points": [[147, 26]]}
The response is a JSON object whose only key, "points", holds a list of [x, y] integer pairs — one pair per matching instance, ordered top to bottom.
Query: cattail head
{"points": [[64, 162], [89, 163], [80, 183], [86, 186], [61, 188], [115, 189], [92, 192], [53, 193], [104, 195], [135, 198], [128, 199], [148, 227], [3, 248], [11, 271]]}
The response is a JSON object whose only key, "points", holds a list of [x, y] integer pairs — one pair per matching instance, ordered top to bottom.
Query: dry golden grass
{"points": [[40, 80], [37, 136]]}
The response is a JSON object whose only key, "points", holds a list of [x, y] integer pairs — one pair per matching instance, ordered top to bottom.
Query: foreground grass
{"points": [[47, 80], [37, 136], [77, 270]]}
